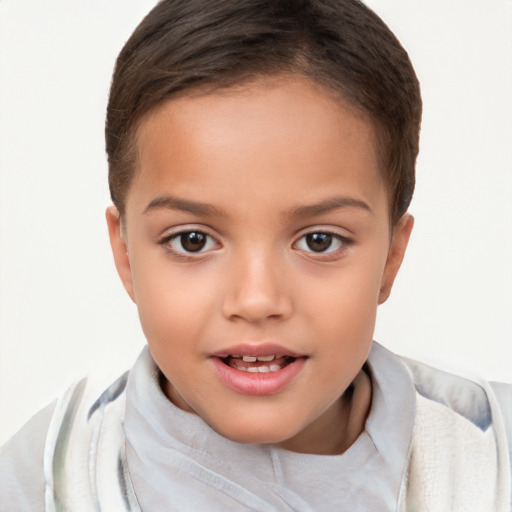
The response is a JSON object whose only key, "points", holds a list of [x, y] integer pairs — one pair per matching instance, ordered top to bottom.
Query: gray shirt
{"points": [[176, 462]]}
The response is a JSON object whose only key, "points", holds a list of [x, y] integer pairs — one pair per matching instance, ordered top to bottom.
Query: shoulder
{"points": [[463, 396], [481, 402], [82, 429], [463, 429], [84, 459], [21, 465]]}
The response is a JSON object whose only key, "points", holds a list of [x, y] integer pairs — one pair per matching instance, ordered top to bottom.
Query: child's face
{"points": [[257, 225]]}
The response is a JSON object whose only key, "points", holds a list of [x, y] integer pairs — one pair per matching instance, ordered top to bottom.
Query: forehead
{"points": [[263, 138]]}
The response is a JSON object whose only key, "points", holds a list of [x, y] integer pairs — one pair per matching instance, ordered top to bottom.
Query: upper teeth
{"points": [[253, 359]]}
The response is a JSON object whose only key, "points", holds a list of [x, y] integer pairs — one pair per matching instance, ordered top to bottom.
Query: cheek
{"points": [[351, 291], [172, 302], [344, 309]]}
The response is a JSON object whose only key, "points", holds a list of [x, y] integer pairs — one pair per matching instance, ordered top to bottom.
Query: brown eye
{"points": [[193, 241], [189, 242], [319, 242]]}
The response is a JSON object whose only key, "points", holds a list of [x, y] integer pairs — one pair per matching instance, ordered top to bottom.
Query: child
{"points": [[261, 161]]}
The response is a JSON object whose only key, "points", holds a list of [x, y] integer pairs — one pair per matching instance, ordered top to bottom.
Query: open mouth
{"points": [[258, 364], [250, 371]]}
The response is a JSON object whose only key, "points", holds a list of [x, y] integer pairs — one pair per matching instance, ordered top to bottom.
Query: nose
{"points": [[257, 290]]}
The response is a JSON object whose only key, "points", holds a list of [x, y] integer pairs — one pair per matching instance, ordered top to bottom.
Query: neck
{"points": [[340, 426]]}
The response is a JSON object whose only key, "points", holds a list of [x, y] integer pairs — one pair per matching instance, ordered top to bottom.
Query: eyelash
{"points": [[167, 240], [343, 243]]}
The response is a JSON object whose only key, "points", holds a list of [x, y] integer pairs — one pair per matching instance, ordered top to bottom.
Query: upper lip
{"points": [[256, 349]]}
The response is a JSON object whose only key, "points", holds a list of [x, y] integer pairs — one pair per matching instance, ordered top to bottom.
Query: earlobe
{"points": [[400, 239], [119, 249]]}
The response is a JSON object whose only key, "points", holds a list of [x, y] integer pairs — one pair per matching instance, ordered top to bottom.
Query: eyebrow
{"points": [[184, 205], [328, 205], [208, 210]]}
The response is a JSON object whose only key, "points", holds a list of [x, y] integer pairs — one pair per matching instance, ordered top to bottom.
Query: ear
{"points": [[399, 241], [119, 249]]}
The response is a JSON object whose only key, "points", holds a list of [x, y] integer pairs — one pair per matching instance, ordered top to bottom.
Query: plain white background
{"points": [[63, 312]]}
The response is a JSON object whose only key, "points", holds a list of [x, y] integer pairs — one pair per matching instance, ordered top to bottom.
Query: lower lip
{"points": [[258, 384]]}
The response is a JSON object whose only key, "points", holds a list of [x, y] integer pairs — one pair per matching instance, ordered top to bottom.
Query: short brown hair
{"points": [[340, 44]]}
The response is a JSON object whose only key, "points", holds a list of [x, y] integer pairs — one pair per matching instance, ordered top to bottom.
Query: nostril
{"points": [[257, 292], [257, 311]]}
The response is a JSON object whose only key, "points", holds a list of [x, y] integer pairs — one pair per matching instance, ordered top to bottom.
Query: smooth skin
{"points": [[282, 181]]}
